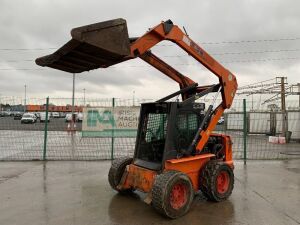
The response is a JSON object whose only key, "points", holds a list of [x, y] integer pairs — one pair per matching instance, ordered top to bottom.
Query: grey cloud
{"points": [[47, 24]]}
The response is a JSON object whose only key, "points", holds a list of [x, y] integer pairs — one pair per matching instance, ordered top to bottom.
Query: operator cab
{"points": [[166, 130]]}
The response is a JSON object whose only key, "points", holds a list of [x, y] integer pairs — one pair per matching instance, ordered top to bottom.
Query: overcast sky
{"points": [[214, 24]]}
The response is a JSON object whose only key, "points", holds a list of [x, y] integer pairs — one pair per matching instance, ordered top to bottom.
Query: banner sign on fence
{"points": [[110, 121]]}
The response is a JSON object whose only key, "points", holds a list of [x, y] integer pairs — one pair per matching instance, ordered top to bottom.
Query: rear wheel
{"points": [[116, 172], [216, 181], [172, 194]]}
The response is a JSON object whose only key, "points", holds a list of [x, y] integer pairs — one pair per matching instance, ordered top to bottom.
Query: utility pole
{"points": [[25, 86], [133, 93], [299, 93], [83, 96], [73, 100], [283, 108]]}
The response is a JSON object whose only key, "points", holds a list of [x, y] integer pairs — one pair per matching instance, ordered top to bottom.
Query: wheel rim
{"points": [[222, 182], [178, 197]]}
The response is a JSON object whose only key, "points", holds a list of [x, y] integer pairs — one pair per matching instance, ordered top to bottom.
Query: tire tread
{"points": [[116, 171], [208, 178], [160, 192]]}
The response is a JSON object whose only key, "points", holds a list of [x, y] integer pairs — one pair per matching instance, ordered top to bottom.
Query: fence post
{"points": [[46, 129], [245, 130], [112, 133]]}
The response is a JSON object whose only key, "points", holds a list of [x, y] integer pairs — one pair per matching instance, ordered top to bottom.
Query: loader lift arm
{"points": [[168, 31], [90, 49]]}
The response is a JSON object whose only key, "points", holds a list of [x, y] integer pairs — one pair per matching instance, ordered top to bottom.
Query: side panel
{"points": [[227, 142], [190, 166], [137, 178], [143, 179]]}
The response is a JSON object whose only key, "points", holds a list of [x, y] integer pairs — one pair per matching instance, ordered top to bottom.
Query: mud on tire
{"points": [[116, 172], [216, 181], [172, 194]]}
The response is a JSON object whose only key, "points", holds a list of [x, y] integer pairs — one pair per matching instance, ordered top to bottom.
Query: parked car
{"points": [[5, 113], [37, 114], [62, 114], [55, 115], [18, 116], [43, 117], [68, 117], [80, 117], [28, 118], [221, 120]]}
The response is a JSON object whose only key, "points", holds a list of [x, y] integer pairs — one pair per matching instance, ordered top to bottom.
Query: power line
{"points": [[251, 41], [240, 42], [203, 43], [25, 49], [241, 53], [214, 54], [23, 60], [260, 60], [180, 64], [7, 69], [258, 84]]}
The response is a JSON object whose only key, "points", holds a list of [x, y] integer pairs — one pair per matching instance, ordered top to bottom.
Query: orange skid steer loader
{"points": [[176, 153]]}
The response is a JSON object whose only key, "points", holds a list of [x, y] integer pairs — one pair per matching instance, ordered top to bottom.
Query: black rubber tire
{"points": [[116, 172], [208, 180], [161, 191]]}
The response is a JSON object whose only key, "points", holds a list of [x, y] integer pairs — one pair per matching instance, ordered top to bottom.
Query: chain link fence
{"points": [[258, 131], [270, 133]]}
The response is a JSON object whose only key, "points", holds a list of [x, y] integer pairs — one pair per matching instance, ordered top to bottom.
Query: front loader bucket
{"points": [[93, 46]]}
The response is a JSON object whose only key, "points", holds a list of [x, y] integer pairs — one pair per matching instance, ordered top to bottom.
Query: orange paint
{"points": [[52, 108], [189, 165], [138, 178], [143, 179]]}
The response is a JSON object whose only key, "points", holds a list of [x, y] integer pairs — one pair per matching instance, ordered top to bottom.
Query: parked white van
{"points": [[55, 115], [43, 117]]}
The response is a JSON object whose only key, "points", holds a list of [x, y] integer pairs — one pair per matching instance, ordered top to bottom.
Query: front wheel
{"points": [[116, 172], [216, 181], [172, 194]]}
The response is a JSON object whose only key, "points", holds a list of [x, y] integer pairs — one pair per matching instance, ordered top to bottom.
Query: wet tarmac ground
{"points": [[77, 193]]}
